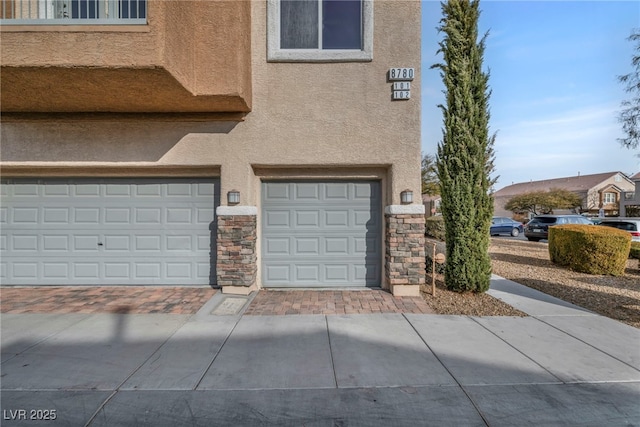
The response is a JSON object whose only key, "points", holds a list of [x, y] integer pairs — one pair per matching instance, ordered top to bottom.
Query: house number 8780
{"points": [[401, 74]]}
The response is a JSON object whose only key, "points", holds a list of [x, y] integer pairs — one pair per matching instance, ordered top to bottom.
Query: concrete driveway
{"points": [[562, 365]]}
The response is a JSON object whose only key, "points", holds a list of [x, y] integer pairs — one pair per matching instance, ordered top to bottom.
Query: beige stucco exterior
{"points": [[192, 56], [306, 120]]}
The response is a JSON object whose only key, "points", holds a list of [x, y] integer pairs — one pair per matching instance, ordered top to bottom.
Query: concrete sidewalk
{"points": [[562, 365]]}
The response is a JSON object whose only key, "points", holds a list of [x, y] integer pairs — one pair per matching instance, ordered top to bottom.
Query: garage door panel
{"points": [[205, 189], [27, 190], [55, 190], [117, 190], [148, 190], [88, 191], [275, 191], [307, 191], [337, 191], [365, 192], [86, 215], [25, 216], [55, 216], [117, 216], [148, 216], [178, 216], [204, 216], [336, 218], [277, 219], [307, 219], [109, 231], [23, 242], [53, 243], [85, 243], [117, 243], [148, 243], [179, 243], [336, 245], [277, 246], [307, 246], [342, 248], [27, 270], [58, 270], [86, 270], [116, 270], [179, 270], [147, 271], [336, 272], [367, 272], [277, 273], [307, 273]]}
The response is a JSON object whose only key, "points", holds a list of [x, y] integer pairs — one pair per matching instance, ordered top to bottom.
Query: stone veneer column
{"points": [[405, 253], [236, 265]]}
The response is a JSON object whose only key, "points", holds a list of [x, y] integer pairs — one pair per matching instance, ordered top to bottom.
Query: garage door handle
{"points": [[100, 244]]}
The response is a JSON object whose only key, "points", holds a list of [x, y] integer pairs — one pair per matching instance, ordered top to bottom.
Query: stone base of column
{"points": [[405, 253], [236, 264], [239, 290], [405, 290]]}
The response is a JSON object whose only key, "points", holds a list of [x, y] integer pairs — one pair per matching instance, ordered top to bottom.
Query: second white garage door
{"points": [[321, 234]]}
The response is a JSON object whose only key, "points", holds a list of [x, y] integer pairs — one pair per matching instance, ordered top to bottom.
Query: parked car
{"points": [[504, 225], [632, 225], [538, 228]]}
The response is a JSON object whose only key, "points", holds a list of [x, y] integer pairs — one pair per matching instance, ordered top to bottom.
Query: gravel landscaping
{"points": [[528, 263]]}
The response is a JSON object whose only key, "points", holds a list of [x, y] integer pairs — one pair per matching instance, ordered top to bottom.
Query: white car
{"points": [[632, 225]]}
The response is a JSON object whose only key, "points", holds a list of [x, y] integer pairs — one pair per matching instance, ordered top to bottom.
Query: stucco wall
{"points": [[192, 56], [322, 115]]}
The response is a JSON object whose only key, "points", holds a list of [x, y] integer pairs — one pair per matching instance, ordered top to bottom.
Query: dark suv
{"points": [[538, 228]]}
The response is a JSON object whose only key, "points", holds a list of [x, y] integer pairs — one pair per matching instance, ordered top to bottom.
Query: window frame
{"points": [[276, 54], [607, 195]]}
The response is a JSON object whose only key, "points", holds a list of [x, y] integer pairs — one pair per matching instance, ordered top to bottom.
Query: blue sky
{"points": [[555, 94]]}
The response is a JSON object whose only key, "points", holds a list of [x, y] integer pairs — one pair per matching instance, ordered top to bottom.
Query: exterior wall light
{"points": [[233, 197], [406, 197]]}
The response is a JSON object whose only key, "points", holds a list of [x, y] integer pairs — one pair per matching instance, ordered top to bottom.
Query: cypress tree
{"points": [[465, 154]]}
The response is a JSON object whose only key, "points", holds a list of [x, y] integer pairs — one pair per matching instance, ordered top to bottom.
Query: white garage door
{"points": [[108, 231], [321, 234]]}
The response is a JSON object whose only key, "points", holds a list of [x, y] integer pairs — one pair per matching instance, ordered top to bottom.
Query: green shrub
{"points": [[434, 227], [589, 249], [635, 250]]}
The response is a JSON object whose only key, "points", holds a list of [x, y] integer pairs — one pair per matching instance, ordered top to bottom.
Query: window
{"points": [[320, 30], [609, 198]]}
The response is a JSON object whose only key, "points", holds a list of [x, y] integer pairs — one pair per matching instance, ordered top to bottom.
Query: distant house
{"points": [[599, 191], [630, 200], [431, 204]]}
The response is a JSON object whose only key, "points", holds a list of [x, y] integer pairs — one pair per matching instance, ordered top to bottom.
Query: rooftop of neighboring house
{"points": [[579, 183], [429, 198]]}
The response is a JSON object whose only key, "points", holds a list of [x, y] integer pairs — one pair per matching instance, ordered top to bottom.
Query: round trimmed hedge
{"points": [[589, 249]]}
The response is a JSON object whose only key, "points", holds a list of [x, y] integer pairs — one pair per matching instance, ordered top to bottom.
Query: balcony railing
{"points": [[73, 12]]}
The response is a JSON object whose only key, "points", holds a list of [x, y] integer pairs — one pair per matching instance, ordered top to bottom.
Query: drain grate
{"points": [[230, 306]]}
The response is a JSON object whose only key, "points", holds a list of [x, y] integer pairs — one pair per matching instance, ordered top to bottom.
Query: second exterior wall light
{"points": [[233, 197], [406, 197]]}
